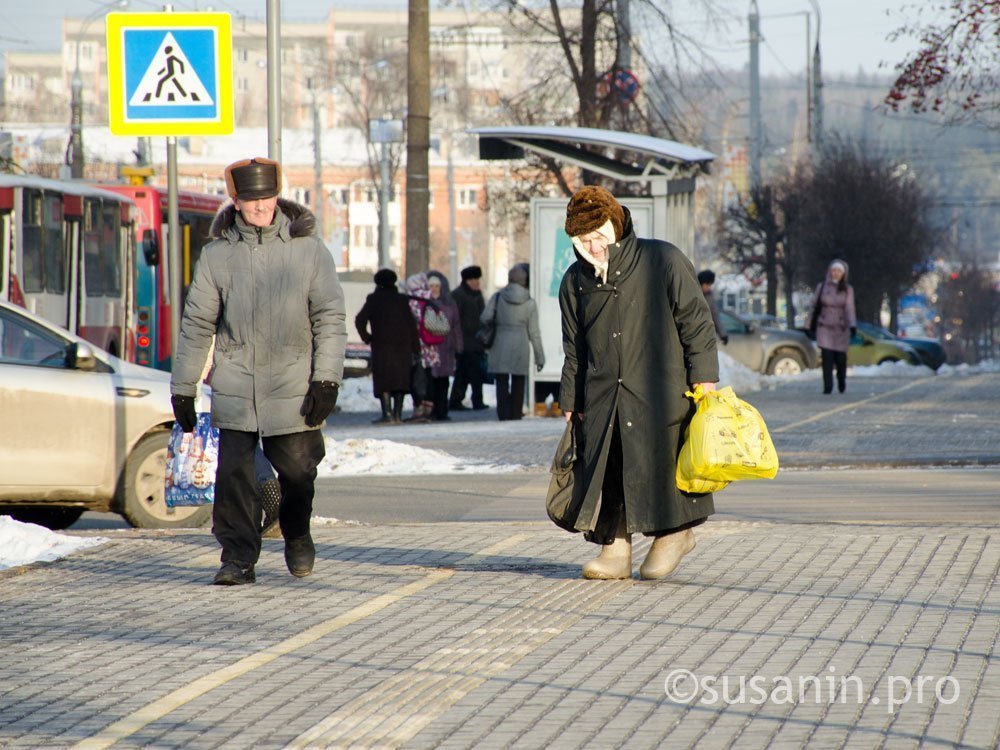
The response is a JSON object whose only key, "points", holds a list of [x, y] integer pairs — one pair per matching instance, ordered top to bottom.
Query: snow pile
{"points": [[987, 365], [890, 370], [740, 377], [352, 457], [25, 543]]}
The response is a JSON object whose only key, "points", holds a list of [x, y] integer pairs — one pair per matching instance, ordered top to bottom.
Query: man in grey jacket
{"points": [[266, 288]]}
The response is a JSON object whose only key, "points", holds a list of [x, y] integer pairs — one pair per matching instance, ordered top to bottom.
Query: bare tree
{"points": [[956, 69], [872, 213], [969, 303]]}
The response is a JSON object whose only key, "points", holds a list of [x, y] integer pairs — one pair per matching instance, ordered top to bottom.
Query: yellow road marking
{"points": [[845, 407], [156, 710]]}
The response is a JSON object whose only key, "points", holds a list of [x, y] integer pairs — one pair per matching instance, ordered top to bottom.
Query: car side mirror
{"points": [[150, 247], [79, 356]]}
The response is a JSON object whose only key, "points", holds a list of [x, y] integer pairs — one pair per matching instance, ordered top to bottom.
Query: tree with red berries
{"points": [[956, 70]]}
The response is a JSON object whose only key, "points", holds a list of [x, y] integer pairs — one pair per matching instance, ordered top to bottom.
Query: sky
{"points": [[853, 31], [24, 544]]}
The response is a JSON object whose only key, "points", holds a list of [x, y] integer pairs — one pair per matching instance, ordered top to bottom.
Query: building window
{"points": [[242, 54], [243, 84], [467, 198]]}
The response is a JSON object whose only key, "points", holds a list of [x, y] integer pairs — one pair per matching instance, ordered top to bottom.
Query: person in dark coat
{"points": [[707, 279], [835, 323], [386, 324], [637, 334], [448, 350], [471, 362]]}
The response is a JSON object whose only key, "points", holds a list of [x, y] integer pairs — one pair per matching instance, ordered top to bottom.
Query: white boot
{"points": [[665, 554], [615, 560]]}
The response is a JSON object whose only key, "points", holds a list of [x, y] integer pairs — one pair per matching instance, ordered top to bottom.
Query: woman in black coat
{"points": [[637, 334], [394, 342]]}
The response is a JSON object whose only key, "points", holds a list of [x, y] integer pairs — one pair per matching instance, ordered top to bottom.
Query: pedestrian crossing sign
{"points": [[170, 74]]}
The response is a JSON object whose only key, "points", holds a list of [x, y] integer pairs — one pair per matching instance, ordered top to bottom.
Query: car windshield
{"points": [[876, 332], [24, 343]]}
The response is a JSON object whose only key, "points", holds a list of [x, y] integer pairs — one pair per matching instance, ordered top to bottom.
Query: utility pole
{"points": [[624, 23], [274, 80], [817, 80], [755, 123], [418, 127], [318, 168], [452, 242]]}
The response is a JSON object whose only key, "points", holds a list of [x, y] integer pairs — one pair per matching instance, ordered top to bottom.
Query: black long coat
{"points": [[470, 306], [393, 338], [632, 345]]}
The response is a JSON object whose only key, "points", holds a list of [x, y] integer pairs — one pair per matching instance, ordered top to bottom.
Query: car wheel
{"points": [[888, 359], [786, 362], [141, 499], [51, 518]]}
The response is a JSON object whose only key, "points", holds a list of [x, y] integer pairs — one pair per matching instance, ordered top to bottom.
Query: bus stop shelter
{"points": [[668, 168]]}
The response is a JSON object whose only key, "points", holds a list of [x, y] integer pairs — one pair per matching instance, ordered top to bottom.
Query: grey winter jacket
{"points": [[272, 300], [516, 326]]}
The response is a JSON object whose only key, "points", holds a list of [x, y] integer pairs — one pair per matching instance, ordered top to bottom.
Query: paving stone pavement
{"points": [[482, 635]]}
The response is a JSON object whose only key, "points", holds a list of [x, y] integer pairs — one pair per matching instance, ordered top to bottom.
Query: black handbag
{"points": [[488, 331], [566, 488]]}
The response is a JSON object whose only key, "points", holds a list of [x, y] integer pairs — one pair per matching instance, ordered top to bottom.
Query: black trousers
{"points": [[833, 359], [469, 372], [439, 393], [510, 395], [613, 499], [236, 513]]}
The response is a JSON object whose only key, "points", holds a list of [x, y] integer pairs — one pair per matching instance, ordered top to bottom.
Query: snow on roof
{"points": [[340, 146], [659, 148]]}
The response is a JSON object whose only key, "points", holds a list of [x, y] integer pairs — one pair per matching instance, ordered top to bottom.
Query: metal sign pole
{"points": [[174, 246]]}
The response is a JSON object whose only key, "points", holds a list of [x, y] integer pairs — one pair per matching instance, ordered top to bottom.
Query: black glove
{"points": [[854, 332], [725, 340], [319, 402], [184, 412]]}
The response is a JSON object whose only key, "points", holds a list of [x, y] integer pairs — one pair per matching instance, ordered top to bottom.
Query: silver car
{"points": [[770, 351], [80, 430]]}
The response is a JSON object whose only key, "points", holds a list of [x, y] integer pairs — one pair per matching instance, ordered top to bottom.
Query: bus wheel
{"points": [[141, 498]]}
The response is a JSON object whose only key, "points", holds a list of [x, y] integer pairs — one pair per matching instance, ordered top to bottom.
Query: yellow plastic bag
{"points": [[726, 440]]}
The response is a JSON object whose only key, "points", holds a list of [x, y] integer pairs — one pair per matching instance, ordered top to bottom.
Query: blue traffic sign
{"points": [[170, 73]]}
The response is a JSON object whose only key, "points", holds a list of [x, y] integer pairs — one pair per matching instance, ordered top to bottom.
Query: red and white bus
{"points": [[66, 254], [152, 270]]}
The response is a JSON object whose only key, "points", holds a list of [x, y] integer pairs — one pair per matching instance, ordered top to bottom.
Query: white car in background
{"points": [[81, 430]]}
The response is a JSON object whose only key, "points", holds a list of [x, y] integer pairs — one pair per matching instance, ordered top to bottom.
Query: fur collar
{"points": [[301, 222]]}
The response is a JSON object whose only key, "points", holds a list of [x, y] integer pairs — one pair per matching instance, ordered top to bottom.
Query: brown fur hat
{"points": [[589, 208]]}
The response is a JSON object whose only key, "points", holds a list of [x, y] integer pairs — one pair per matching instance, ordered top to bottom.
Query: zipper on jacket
{"points": [[260, 235]]}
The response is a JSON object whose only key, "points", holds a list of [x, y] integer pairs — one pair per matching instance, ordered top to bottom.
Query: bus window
{"points": [[92, 231], [54, 252], [111, 259], [32, 268]]}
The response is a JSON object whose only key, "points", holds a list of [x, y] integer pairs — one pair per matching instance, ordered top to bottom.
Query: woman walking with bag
{"points": [[833, 322], [516, 326], [637, 334]]}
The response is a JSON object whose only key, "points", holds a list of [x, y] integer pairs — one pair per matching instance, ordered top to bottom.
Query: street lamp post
{"points": [[384, 132], [75, 149]]}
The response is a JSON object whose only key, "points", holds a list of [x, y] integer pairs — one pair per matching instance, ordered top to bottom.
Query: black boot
{"points": [[397, 408], [386, 418], [300, 554], [234, 573]]}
